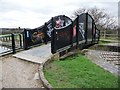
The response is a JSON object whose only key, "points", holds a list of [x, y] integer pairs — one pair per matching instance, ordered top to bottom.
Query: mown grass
{"points": [[2, 35], [110, 38], [104, 42], [78, 72]]}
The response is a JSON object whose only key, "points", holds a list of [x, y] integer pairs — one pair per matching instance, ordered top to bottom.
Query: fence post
{"points": [[64, 20], [45, 31], [77, 31], [86, 31], [92, 31], [72, 35], [98, 36], [9, 38], [25, 40], [53, 40], [20, 41], [13, 43]]}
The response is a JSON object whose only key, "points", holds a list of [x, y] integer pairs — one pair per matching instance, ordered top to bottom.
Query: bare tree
{"points": [[102, 20]]}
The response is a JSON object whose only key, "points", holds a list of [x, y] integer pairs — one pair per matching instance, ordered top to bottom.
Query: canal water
{"points": [[3, 49]]}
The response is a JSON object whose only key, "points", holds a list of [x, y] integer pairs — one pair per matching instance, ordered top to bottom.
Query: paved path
{"points": [[113, 44], [37, 54], [111, 57], [99, 58], [18, 73]]}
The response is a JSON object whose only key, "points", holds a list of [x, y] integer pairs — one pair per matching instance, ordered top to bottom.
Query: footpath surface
{"points": [[113, 44], [37, 54], [105, 59], [17, 73]]}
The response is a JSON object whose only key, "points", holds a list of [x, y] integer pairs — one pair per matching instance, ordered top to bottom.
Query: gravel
{"points": [[17, 73]]}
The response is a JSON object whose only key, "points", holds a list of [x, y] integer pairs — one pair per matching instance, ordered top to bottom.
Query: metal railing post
{"points": [[20, 41], [13, 43]]}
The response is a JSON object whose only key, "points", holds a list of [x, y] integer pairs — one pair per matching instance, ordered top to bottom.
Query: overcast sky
{"points": [[34, 13]]}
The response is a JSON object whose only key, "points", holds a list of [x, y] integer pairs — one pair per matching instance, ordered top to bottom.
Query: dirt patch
{"points": [[18, 73]]}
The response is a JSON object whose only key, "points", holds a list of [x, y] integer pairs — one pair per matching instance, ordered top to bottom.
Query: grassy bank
{"points": [[104, 42], [78, 72]]}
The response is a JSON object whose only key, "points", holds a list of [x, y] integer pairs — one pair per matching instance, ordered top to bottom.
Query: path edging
{"points": [[55, 56], [101, 62], [45, 83]]}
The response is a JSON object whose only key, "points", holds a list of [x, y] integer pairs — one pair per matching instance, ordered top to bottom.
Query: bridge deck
{"points": [[37, 55]]}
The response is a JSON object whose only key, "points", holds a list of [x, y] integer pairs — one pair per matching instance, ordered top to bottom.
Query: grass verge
{"points": [[104, 42], [78, 72]]}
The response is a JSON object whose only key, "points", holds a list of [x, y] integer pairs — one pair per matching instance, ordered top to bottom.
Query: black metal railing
{"points": [[10, 43]]}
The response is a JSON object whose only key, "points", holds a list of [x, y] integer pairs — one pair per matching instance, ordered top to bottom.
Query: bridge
{"points": [[64, 34], [37, 54]]}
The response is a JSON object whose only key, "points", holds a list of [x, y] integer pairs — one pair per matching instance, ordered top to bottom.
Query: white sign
{"points": [[50, 29], [81, 29], [27, 34]]}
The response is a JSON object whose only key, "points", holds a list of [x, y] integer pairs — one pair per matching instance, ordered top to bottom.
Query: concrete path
{"points": [[113, 44], [37, 54], [96, 57], [17, 73]]}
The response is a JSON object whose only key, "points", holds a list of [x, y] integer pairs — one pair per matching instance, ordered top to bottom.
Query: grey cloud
{"points": [[108, 6], [5, 7], [111, 7], [43, 10], [8, 19]]}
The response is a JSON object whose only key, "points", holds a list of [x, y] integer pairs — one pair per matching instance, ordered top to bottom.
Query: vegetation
{"points": [[5, 31], [3, 35], [110, 38], [104, 42], [78, 72]]}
